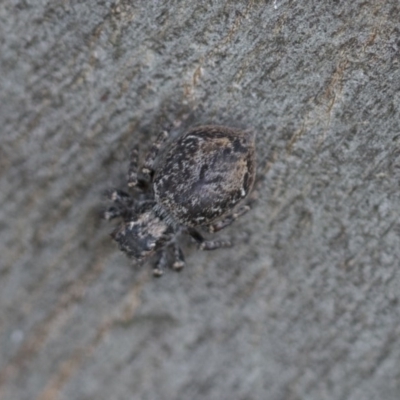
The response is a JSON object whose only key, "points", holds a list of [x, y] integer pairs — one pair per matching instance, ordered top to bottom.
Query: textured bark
{"points": [[306, 306]]}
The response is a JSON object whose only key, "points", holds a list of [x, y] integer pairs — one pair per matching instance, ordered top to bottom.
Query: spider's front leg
{"points": [[121, 200], [179, 258], [163, 262], [159, 268]]}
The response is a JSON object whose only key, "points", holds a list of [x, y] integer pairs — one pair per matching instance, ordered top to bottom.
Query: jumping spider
{"points": [[199, 181]]}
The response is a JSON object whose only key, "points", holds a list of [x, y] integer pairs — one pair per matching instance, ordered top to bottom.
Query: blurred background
{"points": [[306, 305]]}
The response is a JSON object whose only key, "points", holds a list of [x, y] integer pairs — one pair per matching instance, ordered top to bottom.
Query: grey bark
{"points": [[306, 306]]}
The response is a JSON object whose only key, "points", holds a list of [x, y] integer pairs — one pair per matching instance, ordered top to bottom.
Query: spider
{"points": [[199, 181]]}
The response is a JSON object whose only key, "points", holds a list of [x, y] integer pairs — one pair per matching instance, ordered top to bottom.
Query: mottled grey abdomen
{"points": [[205, 174]]}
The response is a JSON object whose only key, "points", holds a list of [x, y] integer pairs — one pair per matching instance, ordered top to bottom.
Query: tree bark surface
{"points": [[306, 304]]}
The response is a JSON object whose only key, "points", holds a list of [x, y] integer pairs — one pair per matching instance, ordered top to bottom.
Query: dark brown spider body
{"points": [[205, 174], [199, 181]]}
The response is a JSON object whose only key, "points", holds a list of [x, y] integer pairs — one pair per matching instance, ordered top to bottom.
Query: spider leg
{"points": [[148, 166], [133, 167], [119, 196], [121, 201], [111, 213], [229, 219], [208, 244], [179, 258], [159, 268]]}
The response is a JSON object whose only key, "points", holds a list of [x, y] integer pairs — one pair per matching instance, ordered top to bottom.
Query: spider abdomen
{"points": [[205, 174]]}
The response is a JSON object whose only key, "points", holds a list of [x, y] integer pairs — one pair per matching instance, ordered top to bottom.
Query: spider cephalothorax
{"points": [[199, 181]]}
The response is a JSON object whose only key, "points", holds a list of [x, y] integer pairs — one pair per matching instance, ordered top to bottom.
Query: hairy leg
{"points": [[148, 166], [133, 167], [121, 202], [229, 219], [208, 244], [179, 258], [161, 264]]}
